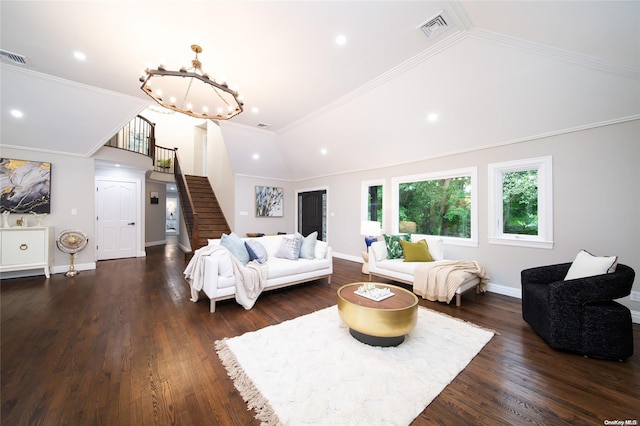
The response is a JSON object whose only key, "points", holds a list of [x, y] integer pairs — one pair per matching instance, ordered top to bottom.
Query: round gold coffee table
{"points": [[382, 323]]}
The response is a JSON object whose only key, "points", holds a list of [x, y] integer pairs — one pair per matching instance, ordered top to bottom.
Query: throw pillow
{"points": [[235, 245], [308, 247], [289, 248], [321, 249], [394, 249], [379, 250], [256, 251], [416, 252], [588, 265]]}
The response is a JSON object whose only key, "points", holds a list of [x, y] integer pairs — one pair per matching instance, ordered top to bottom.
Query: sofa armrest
{"points": [[211, 274]]}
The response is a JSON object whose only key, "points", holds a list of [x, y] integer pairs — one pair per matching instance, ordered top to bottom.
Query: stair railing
{"points": [[137, 136], [164, 160], [188, 209]]}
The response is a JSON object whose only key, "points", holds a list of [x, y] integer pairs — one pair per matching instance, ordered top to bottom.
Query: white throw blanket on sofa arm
{"points": [[250, 279], [440, 282]]}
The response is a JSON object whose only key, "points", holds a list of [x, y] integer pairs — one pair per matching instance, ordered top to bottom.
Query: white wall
{"points": [[220, 172], [72, 189], [596, 204], [245, 207], [155, 214]]}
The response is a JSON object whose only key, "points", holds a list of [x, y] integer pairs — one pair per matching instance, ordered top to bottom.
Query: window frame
{"points": [[496, 171], [472, 172], [364, 208]]}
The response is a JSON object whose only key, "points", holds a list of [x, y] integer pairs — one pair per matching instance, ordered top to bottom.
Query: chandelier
{"points": [[191, 91]]}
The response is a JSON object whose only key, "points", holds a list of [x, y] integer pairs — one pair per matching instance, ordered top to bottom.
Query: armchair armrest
{"points": [[545, 274], [598, 288]]}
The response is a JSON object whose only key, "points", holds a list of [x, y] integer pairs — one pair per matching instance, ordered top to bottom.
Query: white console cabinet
{"points": [[26, 249]]}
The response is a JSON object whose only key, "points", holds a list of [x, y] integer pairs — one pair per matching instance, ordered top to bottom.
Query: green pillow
{"points": [[394, 249], [416, 252]]}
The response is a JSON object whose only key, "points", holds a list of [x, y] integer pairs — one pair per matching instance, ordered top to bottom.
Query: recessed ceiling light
{"points": [[341, 40], [80, 56], [255, 110], [17, 113], [432, 117], [323, 151], [256, 156], [117, 165]]}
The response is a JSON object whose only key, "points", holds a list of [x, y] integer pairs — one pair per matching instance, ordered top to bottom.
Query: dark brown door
{"points": [[312, 213]]}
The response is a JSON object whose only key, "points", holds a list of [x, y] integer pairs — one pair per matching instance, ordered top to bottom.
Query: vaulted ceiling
{"points": [[501, 72]]}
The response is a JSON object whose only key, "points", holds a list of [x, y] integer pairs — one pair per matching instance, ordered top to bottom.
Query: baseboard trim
{"points": [[155, 243], [78, 266]]}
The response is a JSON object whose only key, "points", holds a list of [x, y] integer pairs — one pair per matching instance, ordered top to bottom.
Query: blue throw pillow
{"points": [[235, 245], [256, 251]]}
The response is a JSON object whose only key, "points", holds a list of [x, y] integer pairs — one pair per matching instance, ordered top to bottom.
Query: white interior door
{"points": [[117, 223]]}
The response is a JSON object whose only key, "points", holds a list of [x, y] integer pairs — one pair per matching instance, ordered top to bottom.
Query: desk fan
{"points": [[72, 242]]}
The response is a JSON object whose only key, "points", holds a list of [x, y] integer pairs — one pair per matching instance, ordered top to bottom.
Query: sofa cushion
{"points": [[235, 245], [308, 246], [290, 247], [321, 249], [394, 249], [256, 251], [416, 252], [587, 265], [279, 267]]}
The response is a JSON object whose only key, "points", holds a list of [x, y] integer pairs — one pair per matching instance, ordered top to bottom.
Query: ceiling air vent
{"points": [[434, 26], [14, 58], [263, 125]]}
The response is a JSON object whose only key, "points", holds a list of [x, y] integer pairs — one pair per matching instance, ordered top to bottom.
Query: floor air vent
{"points": [[434, 26], [14, 58]]}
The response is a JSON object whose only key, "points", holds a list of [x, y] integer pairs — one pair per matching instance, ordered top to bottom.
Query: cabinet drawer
{"points": [[25, 247]]}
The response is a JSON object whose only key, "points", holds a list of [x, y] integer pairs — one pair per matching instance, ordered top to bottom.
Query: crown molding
{"points": [[556, 53]]}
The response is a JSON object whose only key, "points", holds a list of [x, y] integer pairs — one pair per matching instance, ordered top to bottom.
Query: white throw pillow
{"points": [[436, 245], [308, 247], [290, 248], [321, 249], [379, 249], [588, 265]]}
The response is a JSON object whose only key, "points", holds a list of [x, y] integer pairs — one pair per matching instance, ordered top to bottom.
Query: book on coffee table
{"points": [[375, 294]]}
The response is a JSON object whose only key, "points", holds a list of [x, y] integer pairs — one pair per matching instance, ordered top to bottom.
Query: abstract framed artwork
{"points": [[25, 186], [269, 201]]}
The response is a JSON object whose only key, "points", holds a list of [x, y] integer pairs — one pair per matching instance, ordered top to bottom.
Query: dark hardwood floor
{"points": [[124, 345]]}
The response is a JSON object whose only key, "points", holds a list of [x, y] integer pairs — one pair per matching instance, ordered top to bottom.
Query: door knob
{"points": [[131, 223]]}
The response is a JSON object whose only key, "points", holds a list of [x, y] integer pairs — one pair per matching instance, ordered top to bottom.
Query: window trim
{"points": [[496, 171], [364, 206], [472, 241]]}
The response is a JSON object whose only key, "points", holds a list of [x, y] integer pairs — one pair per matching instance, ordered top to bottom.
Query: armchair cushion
{"points": [[587, 265]]}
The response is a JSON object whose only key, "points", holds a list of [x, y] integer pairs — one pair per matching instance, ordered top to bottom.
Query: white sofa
{"points": [[399, 270], [220, 283]]}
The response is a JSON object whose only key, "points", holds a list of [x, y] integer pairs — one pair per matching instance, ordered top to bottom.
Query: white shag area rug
{"points": [[311, 371]]}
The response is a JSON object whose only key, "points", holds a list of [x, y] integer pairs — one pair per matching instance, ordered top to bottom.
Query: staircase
{"points": [[201, 212]]}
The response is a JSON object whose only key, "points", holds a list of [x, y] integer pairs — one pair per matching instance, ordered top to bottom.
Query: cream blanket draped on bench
{"points": [[440, 282]]}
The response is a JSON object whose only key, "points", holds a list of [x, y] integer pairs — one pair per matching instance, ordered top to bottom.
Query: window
{"points": [[372, 196], [521, 203], [443, 204]]}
